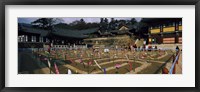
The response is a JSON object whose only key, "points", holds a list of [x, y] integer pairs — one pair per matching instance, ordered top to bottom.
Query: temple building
{"points": [[164, 30], [156, 31], [31, 37], [121, 37]]}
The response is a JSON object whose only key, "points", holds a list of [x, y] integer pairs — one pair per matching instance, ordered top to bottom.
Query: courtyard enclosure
{"points": [[111, 46]]}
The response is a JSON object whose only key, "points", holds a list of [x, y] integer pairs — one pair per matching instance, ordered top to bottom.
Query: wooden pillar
{"points": [[176, 26], [176, 37], [161, 38]]}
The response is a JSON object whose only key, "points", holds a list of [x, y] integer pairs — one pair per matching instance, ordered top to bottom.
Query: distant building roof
{"points": [[155, 20], [123, 28]]}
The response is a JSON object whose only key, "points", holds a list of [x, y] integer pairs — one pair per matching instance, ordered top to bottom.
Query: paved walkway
{"points": [[179, 65]]}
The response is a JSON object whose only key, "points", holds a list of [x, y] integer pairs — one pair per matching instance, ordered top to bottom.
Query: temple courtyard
{"points": [[93, 61]]}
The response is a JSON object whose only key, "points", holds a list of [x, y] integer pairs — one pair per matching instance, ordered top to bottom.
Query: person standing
{"points": [[177, 50]]}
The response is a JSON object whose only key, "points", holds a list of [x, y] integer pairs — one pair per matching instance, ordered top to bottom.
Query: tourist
{"points": [[156, 47], [49, 48], [177, 50]]}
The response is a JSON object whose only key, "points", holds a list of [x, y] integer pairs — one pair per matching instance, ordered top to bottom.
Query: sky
{"points": [[71, 19]]}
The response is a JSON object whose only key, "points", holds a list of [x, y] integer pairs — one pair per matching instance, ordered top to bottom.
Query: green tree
{"points": [[133, 21], [46, 23], [79, 24], [103, 24], [112, 24], [141, 28]]}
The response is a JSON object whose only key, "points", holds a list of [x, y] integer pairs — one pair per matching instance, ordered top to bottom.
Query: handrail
{"points": [[174, 63]]}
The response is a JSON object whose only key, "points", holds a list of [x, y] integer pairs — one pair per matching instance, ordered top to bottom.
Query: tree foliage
{"points": [[46, 23], [103, 25]]}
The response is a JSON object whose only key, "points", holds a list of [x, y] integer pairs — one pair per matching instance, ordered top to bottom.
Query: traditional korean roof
{"points": [[157, 20], [123, 28], [29, 29], [57, 31], [74, 33]]}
